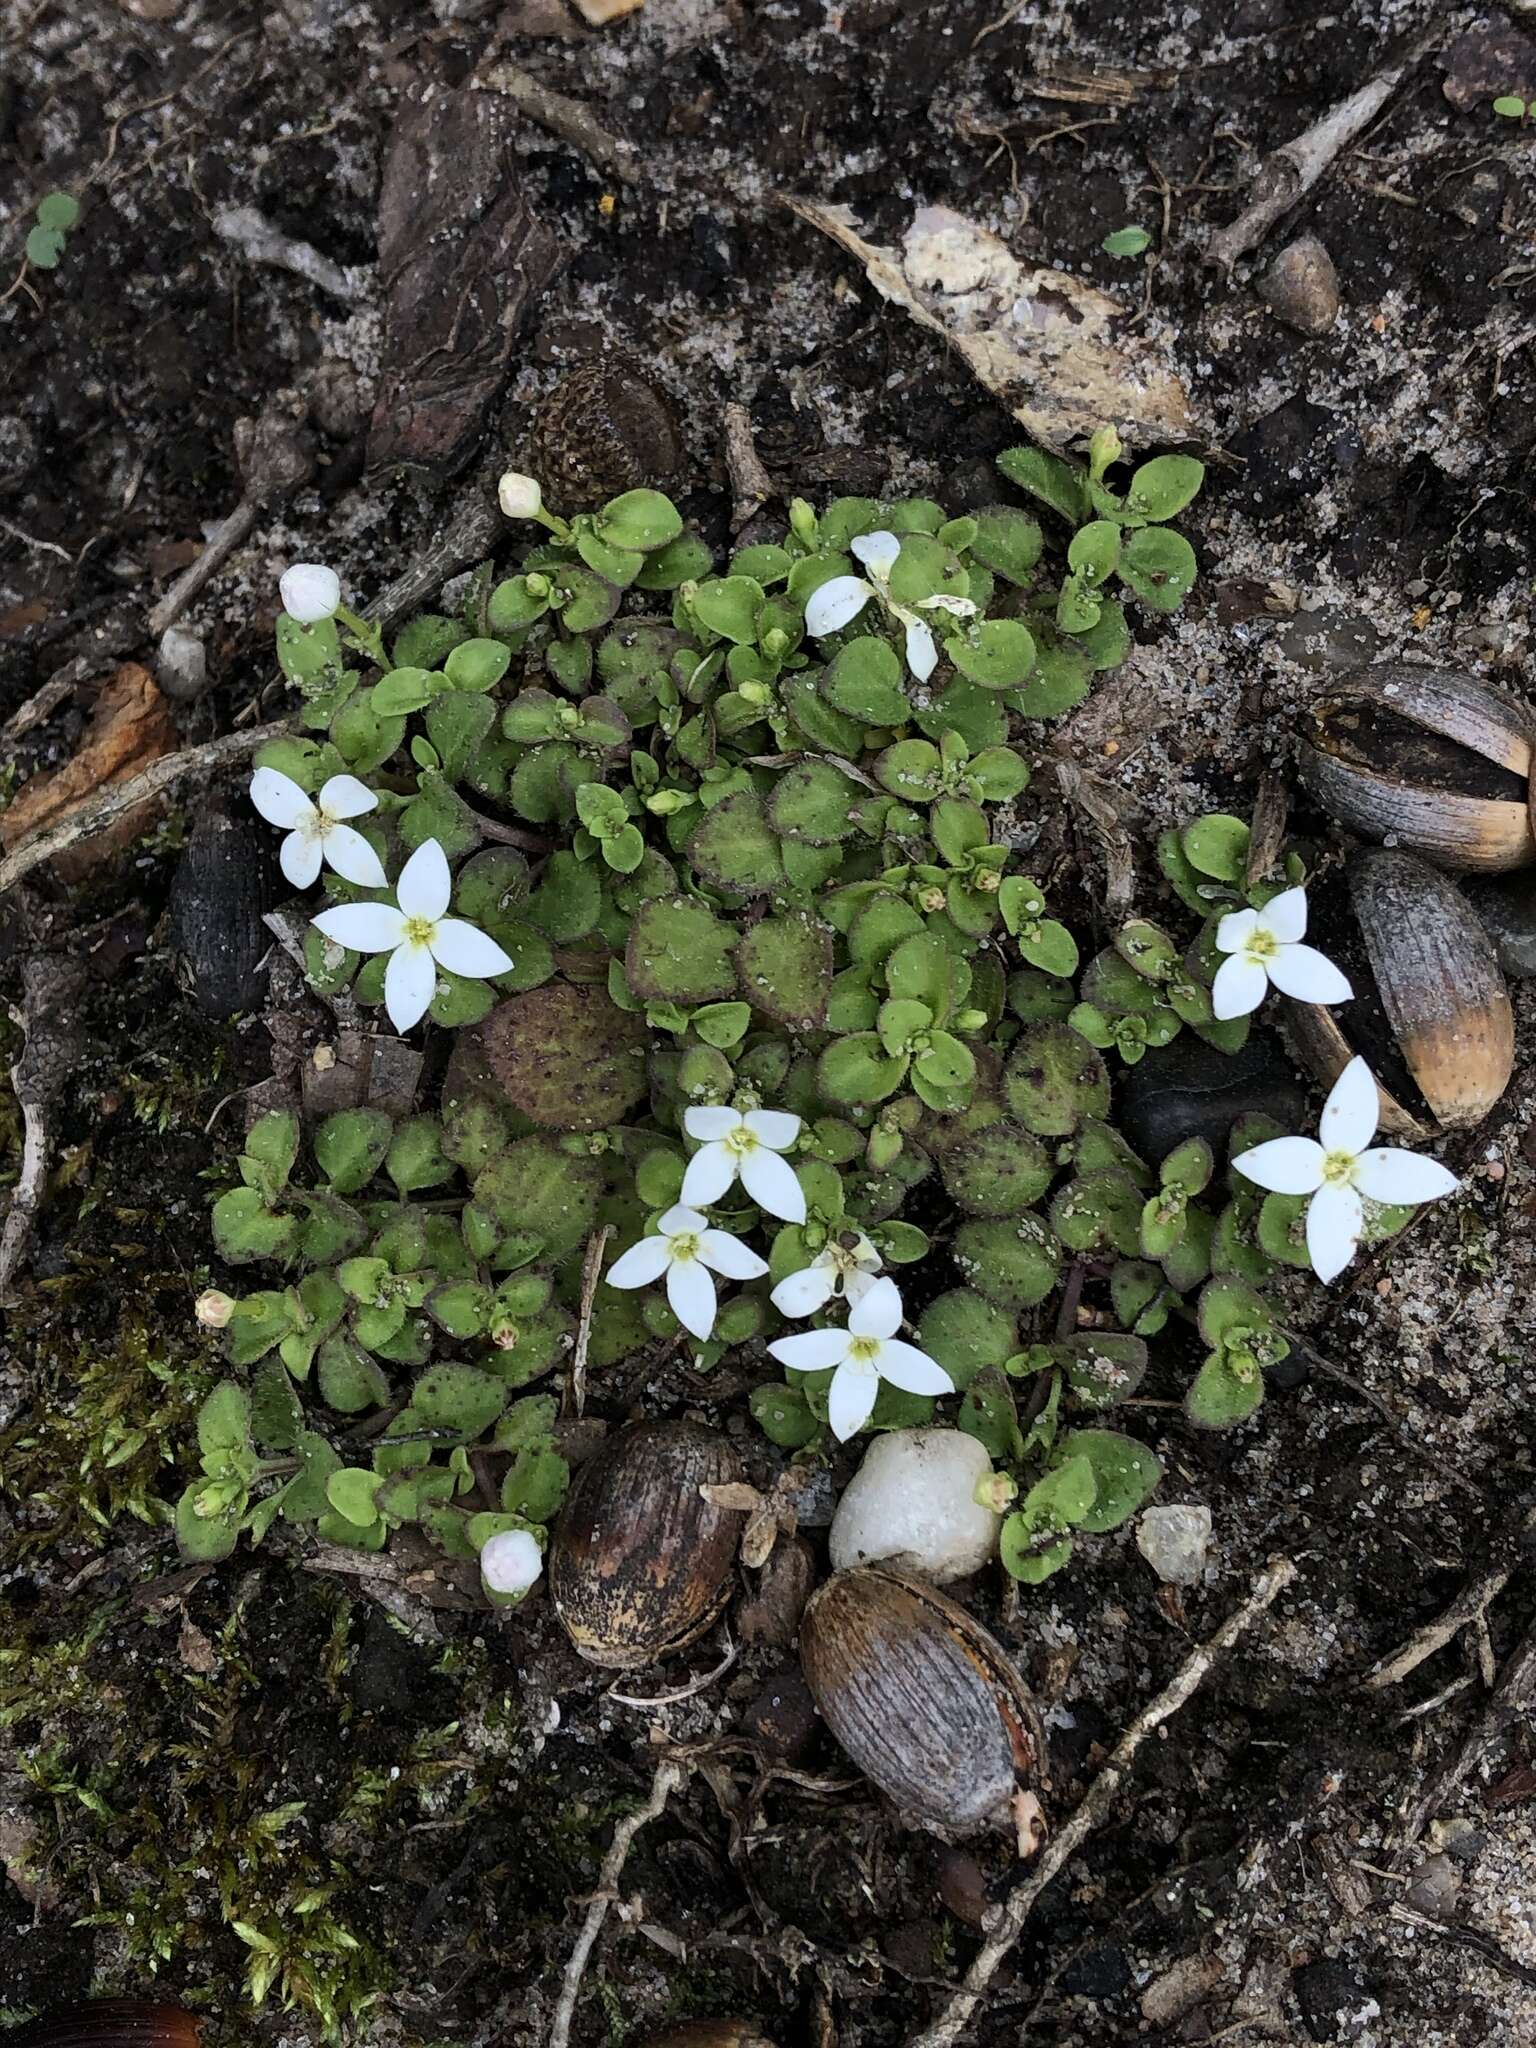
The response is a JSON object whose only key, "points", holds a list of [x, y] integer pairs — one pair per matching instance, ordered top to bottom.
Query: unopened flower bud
{"points": [[1104, 448], [519, 496], [537, 584], [310, 592], [756, 694], [987, 880], [931, 900], [213, 1309], [504, 1336], [996, 1491], [511, 1561]]}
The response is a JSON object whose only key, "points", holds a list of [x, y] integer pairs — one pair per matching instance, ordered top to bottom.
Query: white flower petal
{"points": [[877, 551], [309, 591], [835, 604], [922, 650], [343, 796], [280, 799], [352, 857], [299, 858], [425, 884], [1285, 916], [365, 927], [1235, 930], [465, 949], [1308, 976], [410, 982], [1240, 986], [1352, 1111], [708, 1122], [775, 1128], [1286, 1166], [710, 1172], [1387, 1174], [771, 1183], [1334, 1217], [681, 1218], [727, 1255], [644, 1262], [857, 1284], [802, 1293], [691, 1295], [877, 1312], [811, 1350], [912, 1370], [851, 1399], [511, 1561]]}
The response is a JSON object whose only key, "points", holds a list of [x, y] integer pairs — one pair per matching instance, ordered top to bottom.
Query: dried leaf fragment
{"points": [[1038, 339]]}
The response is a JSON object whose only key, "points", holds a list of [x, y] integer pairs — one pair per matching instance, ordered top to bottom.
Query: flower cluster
{"points": [[1263, 949], [685, 1250]]}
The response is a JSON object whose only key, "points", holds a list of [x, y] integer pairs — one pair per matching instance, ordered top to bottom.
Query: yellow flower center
{"points": [[419, 930], [1262, 945], [741, 1141], [1339, 1169], [683, 1247], [863, 1350]]}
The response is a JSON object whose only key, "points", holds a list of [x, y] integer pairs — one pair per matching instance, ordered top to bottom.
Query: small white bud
{"points": [[519, 496], [310, 592], [213, 1309], [511, 1561]]}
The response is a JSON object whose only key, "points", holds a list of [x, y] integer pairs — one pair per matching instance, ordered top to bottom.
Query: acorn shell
{"points": [[1429, 759], [1437, 974], [641, 1563], [922, 1698], [111, 2023]]}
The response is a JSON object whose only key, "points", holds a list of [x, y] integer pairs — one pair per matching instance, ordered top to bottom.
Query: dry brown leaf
{"points": [[1038, 339], [130, 728]]}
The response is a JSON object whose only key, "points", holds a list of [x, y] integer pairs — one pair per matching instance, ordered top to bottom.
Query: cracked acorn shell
{"points": [[1428, 759], [1438, 984], [641, 1564], [923, 1700], [111, 2023]]}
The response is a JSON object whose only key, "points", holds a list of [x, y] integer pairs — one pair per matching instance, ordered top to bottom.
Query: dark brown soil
{"points": [[1369, 494]]}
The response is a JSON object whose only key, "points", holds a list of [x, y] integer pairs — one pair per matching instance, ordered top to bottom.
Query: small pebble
{"points": [[1301, 287], [181, 666], [912, 1503], [1174, 1540]]}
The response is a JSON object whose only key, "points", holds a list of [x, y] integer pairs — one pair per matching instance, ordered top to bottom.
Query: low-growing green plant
{"points": [[57, 213], [757, 884]]}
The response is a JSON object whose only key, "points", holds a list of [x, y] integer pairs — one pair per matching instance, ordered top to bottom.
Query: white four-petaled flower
{"points": [[310, 592], [837, 603], [316, 833], [416, 935], [1264, 946], [732, 1143], [1336, 1170], [683, 1246], [849, 1270], [861, 1356]]}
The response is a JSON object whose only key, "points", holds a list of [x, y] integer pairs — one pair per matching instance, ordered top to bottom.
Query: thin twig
{"points": [[562, 116], [1289, 172], [751, 485], [27, 1195], [590, 1274], [1409, 1442], [1475, 1597], [682, 1692], [1511, 1702], [669, 1775], [1093, 1811]]}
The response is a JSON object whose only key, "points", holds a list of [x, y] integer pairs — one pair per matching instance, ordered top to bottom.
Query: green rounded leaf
{"points": [[639, 519], [997, 653], [1014, 1264]]}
